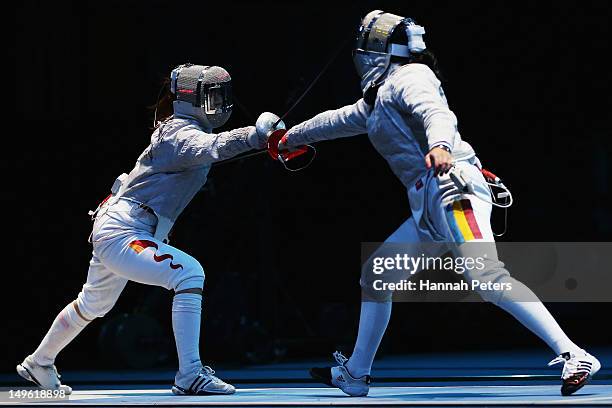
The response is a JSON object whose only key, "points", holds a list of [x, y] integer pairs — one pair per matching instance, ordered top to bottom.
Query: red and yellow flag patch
{"points": [[140, 245]]}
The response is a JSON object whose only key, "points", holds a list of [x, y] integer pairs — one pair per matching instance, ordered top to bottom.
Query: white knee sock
{"points": [[186, 316], [538, 319], [372, 325], [64, 329]]}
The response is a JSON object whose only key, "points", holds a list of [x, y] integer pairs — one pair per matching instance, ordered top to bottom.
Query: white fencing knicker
{"points": [[440, 213], [124, 248]]}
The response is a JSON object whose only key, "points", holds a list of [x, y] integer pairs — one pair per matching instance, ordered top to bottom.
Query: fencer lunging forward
{"points": [[407, 118], [131, 227]]}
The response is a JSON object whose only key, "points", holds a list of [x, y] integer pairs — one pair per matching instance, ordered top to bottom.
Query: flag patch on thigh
{"points": [[461, 220], [140, 245]]}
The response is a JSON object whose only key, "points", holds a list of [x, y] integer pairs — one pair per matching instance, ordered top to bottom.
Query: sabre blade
{"points": [[314, 81]]}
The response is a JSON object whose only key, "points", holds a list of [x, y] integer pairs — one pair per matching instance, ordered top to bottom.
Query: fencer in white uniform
{"points": [[405, 113], [130, 228]]}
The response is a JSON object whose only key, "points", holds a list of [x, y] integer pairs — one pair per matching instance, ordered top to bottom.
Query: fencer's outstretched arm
{"points": [[417, 91], [347, 121], [197, 147]]}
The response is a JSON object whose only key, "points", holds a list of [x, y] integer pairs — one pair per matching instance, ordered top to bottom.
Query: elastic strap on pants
{"points": [[193, 282]]}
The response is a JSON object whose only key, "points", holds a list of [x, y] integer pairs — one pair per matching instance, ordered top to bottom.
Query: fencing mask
{"points": [[373, 50], [203, 93]]}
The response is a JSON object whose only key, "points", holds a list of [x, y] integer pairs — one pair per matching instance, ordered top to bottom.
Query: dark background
{"points": [[281, 250]]}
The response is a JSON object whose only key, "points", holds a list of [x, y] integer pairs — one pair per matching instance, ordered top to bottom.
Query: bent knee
{"points": [[192, 277], [496, 289], [369, 293], [90, 307]]}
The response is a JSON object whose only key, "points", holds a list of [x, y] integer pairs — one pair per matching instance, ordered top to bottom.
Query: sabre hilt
{"points": [[287, 155]]}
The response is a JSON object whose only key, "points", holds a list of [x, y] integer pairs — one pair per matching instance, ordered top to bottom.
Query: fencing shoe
{"points": [[578, 369], [46, 377], [340, 377], [202, 382]]}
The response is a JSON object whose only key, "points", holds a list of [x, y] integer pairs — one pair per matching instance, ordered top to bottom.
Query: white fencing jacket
{"points": [[410, 116], [175, 165]]}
